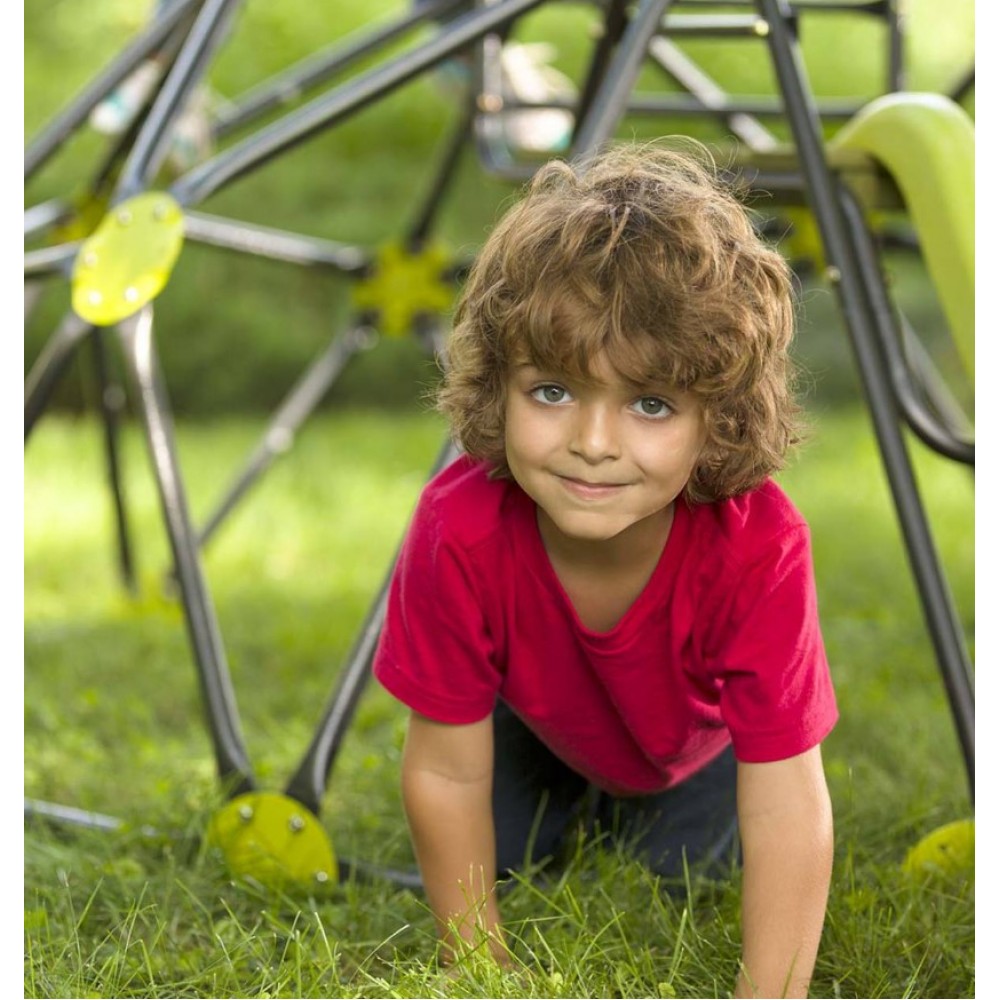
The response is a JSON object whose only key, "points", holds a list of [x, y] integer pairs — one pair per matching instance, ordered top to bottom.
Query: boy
{"points": [[606, 599]]}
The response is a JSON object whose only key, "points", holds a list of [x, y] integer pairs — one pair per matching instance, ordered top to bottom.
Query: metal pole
{"points": [[615, 21], [896, 68], [292, 84], [709, 94], [611, 98], [299, 125], [153, 142], [42, 147], [822, 191], [45, 215], [421, 225], [275, 244], [51, 260], [136, 335], [49, 367], [304, 397], [111, 403], [933, 431], [308, 783]]}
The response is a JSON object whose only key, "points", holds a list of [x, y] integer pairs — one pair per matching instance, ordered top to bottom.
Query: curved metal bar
{"points": [[615, 20], [712, 26], [685, 71], [311, 72], [895, 76], [963, 86], [611, 97], [643, 103], [153, 141], [45, 144], [492, 148], [209, 177], [45, 215], [420, 227], [274, 244], [51, 260], [136, 335], [50, 365], [932, 386], [304, 397], [111, 403], [920, 419], [939, 612], [308, 783], [69, 814], [360, 871]]}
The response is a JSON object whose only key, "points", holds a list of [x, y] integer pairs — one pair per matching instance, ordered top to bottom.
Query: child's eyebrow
{"points": [[519, 367], [655, 388]]}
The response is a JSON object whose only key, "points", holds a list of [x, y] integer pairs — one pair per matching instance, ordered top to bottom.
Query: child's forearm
{"points": [[451, 825], [787, 861], [784, 904]]}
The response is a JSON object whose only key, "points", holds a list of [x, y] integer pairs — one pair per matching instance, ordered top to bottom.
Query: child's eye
{"points": [[550, 394], [652, 406]]}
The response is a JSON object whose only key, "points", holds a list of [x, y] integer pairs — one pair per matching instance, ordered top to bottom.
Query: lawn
{"points": [[113, 725]]}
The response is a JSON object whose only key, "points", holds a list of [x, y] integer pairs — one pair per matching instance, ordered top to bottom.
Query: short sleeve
{"points": [[434, 653], [777, 695]]}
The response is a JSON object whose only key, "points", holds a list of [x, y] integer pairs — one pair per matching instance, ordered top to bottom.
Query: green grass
{"points": [[113, 724]]}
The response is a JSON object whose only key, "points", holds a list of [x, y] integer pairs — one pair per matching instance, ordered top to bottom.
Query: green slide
{"points": [[926, 143]]}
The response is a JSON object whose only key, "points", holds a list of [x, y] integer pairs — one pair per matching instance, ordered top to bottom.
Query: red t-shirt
{"points": [[722, 645]]}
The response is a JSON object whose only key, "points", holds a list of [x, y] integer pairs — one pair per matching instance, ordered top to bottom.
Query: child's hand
{"points": [[484, 970]]}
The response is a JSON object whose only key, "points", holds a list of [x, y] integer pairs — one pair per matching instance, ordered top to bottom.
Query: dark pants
{"points": [[538, 801]]}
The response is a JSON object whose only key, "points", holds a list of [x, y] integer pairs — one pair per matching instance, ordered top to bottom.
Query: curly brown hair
{"points": [[643, 253]]}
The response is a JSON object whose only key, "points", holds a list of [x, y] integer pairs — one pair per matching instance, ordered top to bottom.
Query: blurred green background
{"points": [[235, 331]]}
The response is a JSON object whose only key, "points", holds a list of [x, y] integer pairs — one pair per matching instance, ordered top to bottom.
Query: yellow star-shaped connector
{"points": [[404, 284]]}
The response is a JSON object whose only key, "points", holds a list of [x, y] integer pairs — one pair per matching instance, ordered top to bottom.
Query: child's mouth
{"points": [[588, 490]]}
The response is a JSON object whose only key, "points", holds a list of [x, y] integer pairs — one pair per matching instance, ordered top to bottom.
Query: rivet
{"points": [[761, 28], [489, 103], [160, 211], [124, 217], [90, 259], [833, 275], [131, 294], [95, 298], [367, 337], [114, 397], [280, 439], [246, 813], [296, 824], [322, 876]]}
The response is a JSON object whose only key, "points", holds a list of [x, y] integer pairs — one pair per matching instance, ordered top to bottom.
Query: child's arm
{"points": [[447, 789], [786, 829]]}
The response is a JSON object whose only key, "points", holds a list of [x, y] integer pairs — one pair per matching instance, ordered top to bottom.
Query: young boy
{"points": [[606, 600]]}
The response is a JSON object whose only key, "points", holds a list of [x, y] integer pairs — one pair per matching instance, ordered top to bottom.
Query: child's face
{"points": [[599, 458]]}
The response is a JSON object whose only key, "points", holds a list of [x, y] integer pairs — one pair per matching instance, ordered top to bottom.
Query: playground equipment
{"points": [[131, 227]]}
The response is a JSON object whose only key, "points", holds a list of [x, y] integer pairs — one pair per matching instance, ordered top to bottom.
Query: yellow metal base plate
{"points": [[128, 259], [273, 839], [949, 848]]}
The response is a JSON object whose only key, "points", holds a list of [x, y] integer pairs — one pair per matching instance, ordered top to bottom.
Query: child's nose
{"points": [[595, 434]]}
